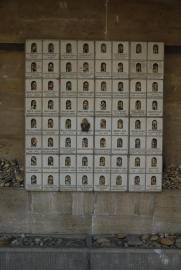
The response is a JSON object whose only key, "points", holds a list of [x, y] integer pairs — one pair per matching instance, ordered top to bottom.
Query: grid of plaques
{"points": [[94, 115]]}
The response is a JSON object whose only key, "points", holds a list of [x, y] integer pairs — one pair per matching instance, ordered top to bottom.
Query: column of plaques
{"points": [[138, 75], [103, 107], [33, 112], [50, 115], [68, 115], [85, 116], [154, 116], [120, 120]]}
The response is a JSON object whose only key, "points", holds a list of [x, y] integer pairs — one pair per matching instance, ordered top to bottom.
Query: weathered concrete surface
{"points": [[125, 20], [89, 213], [83, 259]]}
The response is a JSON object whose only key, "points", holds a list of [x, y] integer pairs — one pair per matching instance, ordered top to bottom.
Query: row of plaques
{"points": [[72, 49], [91, 69], [107, 87], [99, 105], [97, 125], [89, 144], [97, 163], [89, 182]]}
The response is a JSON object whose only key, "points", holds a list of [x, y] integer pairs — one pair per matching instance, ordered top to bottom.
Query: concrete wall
{"points": [[92, 212], [89, 213], [83, 259]]}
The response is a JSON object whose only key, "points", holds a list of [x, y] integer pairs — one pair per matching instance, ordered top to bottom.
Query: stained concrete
{"points": [[89, 213], [84, 259]]}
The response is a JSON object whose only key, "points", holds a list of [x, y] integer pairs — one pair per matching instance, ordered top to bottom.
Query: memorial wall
{"points": [[94, 115]]}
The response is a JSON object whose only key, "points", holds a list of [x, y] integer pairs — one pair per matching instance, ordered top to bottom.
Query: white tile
{"points": [[34, 49], [51, 49], [68, 49], [85, 49], [103, 49], [120, 49], [139, 50], [155, 51], [33, 68], [50, 68], [103, 68], [68, 69], [85, 69], [120, 69], [138, 69], [155, 69], [33, 87], [51, 87], [85, 87], [103, 87], [68, 88], [120, 88], [137, 88], [155, 88], [33, 106], [50, 106], [68, 106], [85, 106], [103, 106], [120, 106], [137, 107], [154, 107], [51, 124], [33, 125], [85, 125], [68, 126], [103, 126], [120, 126], [137, 126], [154, 126], [33, 144], [50, 144], [68, 144], [85, 144], [103, 145], [119, 145], [137, 145], [154, 145], [33, 163], [51, 163], [68, 163], [85, 163], [102, 163], [119, 164], [137, 164], [154, 164], [33, 181], [50, 181], [67, 181], [84, 181], [101, 182], [119, 182], [137, 182], [154, 182]]}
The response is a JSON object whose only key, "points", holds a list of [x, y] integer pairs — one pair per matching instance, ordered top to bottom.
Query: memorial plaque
{"points": [[33, 49], [120, 50], [119, 182], [153, 182]]}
